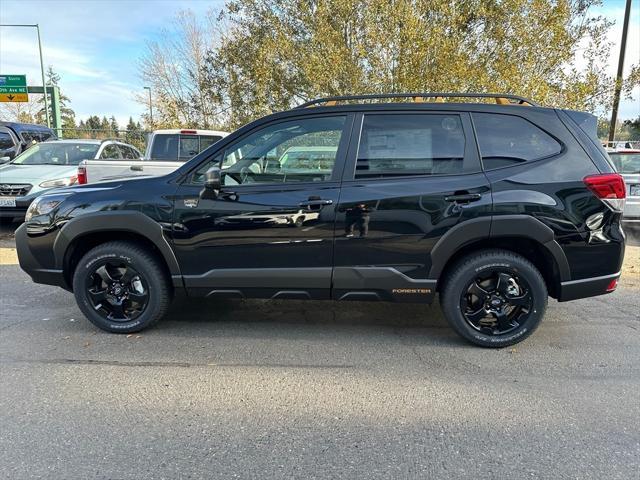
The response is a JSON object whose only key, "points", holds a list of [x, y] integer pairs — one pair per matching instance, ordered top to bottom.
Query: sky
{"points": [[95, 46]]}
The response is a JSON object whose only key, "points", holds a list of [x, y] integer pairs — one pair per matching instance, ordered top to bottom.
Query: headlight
{"points": [[60, 182], [43, 205]]}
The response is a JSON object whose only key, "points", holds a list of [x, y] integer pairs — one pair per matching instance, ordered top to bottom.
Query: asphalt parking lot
{"points": [[257, 389]]}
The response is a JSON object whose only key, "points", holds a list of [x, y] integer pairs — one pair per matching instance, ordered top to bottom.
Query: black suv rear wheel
{"points": [[121, 288], [494, 298]]}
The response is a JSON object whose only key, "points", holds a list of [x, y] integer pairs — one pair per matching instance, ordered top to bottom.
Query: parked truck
{"points": [[166, 151]]}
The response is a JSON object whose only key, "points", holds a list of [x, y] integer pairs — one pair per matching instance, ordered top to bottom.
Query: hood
{"points": [[35, 174]]}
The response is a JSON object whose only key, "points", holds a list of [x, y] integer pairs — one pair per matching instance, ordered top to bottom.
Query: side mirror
{"points": [[212, 182]]}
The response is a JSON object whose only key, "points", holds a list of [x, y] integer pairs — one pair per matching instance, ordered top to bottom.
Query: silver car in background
{"points": [[627, 162]]}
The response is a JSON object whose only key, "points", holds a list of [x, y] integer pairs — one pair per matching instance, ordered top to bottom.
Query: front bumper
{"points": [[32, 265]]}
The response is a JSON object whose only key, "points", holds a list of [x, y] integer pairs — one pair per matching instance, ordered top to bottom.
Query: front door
{"points": [[270, 231]]}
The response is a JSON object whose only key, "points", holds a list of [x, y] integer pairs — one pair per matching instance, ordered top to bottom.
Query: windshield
{"points": [[57, 154], [626, 162]]}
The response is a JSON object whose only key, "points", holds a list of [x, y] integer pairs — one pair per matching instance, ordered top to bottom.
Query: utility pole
{"points": [[44, 86], [616, 95], [46, 101], [150, 107]]}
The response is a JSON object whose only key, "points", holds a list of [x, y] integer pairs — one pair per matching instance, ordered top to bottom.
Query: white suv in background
{"points": [[627, 162]]}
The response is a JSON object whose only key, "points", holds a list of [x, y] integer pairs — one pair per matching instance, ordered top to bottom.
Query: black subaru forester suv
{"points": [[494, 206]]}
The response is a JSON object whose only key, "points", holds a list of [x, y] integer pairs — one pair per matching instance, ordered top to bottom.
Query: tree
{"points": [[273, 54], [173, 67], [24, 112], [66, 113], [113, 126], [633, 128], [135, 134]]}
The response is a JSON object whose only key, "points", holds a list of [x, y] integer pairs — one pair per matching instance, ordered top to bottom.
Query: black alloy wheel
{"points": [[122, 286], [117, 291], [494, 298], [497, 302]]}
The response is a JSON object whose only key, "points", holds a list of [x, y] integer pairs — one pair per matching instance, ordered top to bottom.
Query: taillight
{"points": [[188, 132], [82, 175], [608, 187], [613, 284]]}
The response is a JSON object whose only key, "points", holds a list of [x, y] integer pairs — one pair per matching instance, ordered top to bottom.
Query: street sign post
{"points": [[13, 88]]}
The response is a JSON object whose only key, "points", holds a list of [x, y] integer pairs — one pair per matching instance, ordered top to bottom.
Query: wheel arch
{"points": [[507, 232], [81, 234]]}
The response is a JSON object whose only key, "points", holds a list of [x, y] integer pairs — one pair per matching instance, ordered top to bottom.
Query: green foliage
{"points": [[273, 54], [66, 113]]}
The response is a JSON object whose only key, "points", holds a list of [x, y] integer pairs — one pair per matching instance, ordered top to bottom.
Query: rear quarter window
{"points": [[506, 140]]}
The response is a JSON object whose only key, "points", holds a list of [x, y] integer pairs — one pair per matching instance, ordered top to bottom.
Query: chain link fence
{"points": [[137, 138]]}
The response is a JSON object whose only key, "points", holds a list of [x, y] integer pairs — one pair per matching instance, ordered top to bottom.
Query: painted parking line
{"points": [[8, 256]]}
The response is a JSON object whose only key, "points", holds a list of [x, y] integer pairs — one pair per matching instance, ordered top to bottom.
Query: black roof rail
{"points": [[500, 98]]}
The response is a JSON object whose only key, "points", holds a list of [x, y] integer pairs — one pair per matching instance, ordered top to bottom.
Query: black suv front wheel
{"points": [[121, 287], [494, 298]]}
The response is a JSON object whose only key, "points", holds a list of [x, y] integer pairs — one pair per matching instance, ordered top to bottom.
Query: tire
{"points": [[299, 221], [137, 271], [477, 273]]}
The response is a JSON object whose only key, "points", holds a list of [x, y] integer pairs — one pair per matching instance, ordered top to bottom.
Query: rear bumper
{"points": [[30, 264], [586, 287]]}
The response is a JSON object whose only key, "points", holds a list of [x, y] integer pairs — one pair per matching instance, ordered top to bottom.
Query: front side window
{"points": [[506, 140], [6, 142], [410, 144], [110, 151], [296, 151], [129, 153]]}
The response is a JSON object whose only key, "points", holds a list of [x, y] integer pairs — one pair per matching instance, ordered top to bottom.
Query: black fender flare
{"points": [[128, 221], [486, 228]]}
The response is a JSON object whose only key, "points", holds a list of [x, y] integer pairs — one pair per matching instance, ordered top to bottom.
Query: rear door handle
{"points": [[136, 168], [463, 198]]}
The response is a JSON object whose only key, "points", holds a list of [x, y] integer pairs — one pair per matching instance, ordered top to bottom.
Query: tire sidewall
{"points": [[88, 265], [475, 268]]}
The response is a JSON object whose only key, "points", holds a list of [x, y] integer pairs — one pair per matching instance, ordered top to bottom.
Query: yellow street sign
{"points": [[14, 97]]}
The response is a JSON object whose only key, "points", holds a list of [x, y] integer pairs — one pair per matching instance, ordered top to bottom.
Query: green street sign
{"points": [[13, 81], [13, 88]]}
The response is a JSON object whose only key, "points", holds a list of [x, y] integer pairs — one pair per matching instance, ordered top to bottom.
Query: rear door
{"points": [[410, 178], [270, 232]]}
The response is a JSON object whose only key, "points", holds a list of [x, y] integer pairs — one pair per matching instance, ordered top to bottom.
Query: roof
{"points": [[420, 97], [25, 126], [92, 141]]}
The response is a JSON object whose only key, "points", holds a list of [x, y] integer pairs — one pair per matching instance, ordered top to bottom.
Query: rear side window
{"points": [[506, 140], [412, 144]]}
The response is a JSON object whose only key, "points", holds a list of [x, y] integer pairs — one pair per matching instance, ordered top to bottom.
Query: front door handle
{"points": [[136, 168], [463, 198], [319, 202]]}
